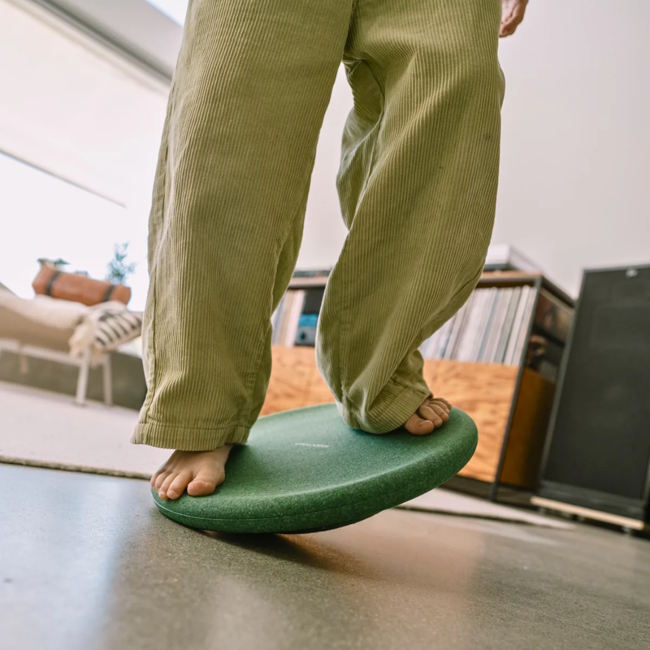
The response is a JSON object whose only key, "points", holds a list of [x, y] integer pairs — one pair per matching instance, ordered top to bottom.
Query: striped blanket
{"points": [[105, 327]]}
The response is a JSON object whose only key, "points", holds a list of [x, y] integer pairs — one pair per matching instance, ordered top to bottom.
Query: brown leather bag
{"points": [[72, 286]]}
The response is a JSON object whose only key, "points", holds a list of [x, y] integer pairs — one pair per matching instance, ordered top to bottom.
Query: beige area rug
{"points": [[46, 429]]}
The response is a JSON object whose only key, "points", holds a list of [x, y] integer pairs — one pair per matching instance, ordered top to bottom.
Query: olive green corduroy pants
{"points": [[417, 184]]}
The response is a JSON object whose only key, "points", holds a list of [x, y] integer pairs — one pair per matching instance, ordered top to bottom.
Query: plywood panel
{"points": [[292, 370], [485, 392]]}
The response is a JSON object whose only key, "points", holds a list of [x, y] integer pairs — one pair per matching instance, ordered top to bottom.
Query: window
{"points": [[175, 9], [80, 129]]}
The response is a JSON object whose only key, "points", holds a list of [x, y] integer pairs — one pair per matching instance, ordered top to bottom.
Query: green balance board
{"points": [[306, 470]]}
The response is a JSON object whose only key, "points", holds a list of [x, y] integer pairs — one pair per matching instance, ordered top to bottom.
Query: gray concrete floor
{"points": [[86, 561]]}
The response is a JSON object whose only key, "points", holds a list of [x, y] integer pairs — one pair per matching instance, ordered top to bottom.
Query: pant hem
{"points": [[398, 404], [170, 436]]}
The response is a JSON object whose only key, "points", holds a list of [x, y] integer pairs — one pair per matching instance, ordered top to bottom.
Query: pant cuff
{"points": [[398, 403], [171, 436]]}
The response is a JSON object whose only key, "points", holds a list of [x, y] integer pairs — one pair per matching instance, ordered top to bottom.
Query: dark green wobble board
{"points": [[305, 470]]}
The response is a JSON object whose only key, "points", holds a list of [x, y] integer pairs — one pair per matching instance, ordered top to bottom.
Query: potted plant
{"points": [[118, 269]]}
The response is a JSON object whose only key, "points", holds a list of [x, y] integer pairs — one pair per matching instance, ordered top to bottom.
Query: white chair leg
{"points": [[82, 381], [108, 381]]}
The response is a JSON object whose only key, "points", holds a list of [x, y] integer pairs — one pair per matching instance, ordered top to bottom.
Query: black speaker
{"points": [[597, 452]]}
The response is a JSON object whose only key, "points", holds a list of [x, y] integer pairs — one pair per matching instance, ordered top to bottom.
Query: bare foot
{"points": [[431, 414], [201, 472]]}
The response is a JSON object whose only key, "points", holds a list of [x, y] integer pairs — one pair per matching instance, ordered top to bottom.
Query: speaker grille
{"points": [[601, 434]]}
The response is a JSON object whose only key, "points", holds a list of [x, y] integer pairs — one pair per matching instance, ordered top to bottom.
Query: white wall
{"points": [[575, 166], [574, 187]]}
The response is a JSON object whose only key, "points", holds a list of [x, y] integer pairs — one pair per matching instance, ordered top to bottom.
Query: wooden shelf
{"points": [[488, 278], [510, 404]]}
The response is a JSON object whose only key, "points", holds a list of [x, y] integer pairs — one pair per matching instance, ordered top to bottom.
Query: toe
{"points": [[441, 401], [426, 411], [429, 411], [441, 412], [430, 415], [437, 421], [418, 426], [423, 427], [159, 478], [204, 484], [178, 485], [162, 491]]}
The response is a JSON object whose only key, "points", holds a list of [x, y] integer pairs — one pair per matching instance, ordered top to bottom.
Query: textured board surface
{"points": [[305, 470]]}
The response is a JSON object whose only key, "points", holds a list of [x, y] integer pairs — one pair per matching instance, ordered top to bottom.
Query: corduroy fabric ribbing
{"points": [[417, 184]]}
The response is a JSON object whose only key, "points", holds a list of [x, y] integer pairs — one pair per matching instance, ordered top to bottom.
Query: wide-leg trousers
{"points": [[417, 184]]}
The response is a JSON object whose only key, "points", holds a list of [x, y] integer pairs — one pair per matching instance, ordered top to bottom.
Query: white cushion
{"points": [[48, 311]]}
